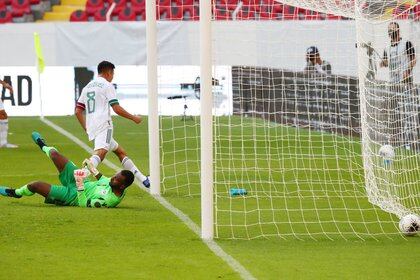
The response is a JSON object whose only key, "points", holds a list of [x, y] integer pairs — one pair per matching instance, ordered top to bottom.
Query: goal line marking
{"points": [[211, 244]]}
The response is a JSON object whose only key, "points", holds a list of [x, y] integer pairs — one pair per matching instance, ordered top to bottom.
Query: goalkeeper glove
{"points": [[89, 165], [79, 176]]}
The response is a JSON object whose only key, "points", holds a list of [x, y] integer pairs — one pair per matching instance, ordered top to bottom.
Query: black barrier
{"points": [[298, 99], [324, 103]]}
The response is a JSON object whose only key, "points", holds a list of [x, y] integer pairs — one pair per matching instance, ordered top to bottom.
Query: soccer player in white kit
{"points": [[400, 58], [94, 114], [4, 122]]}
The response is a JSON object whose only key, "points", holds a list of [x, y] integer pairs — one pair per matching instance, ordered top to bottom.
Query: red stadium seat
{"points": [[34, 2], [108, 3], [163, 3], [184, 3], [229, 4], [252, 4], [3, 5], [93, 6], [119, 6], [138, 6], [20, 8], [416, 11], [274, 12], [289, 12], [402, 12], [163, 13], [175, 13], [190, 13], [246, 13], [265, 13], [127, 14], [223, 14], [78, 15], [100, 15], [312, 15], [5, 16], [322, 16], [333, 17]]}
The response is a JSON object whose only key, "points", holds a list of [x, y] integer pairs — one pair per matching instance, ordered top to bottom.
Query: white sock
{"points": [[4, 129], [96, 160], [128, 164]]}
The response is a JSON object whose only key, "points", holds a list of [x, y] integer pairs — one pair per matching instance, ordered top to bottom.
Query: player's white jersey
{"points": [[398, 61], [96, 99]]}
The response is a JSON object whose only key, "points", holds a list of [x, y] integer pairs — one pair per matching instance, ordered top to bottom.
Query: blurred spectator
{"points": [[399, 57], [314, 63]]}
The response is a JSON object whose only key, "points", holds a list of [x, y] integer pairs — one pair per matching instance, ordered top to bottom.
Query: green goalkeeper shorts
{"points": [[67, 193]]}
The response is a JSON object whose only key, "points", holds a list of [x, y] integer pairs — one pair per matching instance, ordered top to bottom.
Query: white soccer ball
{"points": [[387, 152], [410, 224]]}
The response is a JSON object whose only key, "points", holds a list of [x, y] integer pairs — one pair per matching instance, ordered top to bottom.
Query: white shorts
{"points": [[1, 105], [104, 140]]}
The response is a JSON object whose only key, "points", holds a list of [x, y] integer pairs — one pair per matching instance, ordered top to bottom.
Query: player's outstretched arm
{"points": [[120, 111], [79, 112]]}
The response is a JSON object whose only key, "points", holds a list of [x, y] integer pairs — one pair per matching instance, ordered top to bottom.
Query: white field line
{"points": [[211, 244]]}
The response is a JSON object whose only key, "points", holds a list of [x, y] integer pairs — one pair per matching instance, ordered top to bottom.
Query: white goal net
{"points": [[315, 120]]}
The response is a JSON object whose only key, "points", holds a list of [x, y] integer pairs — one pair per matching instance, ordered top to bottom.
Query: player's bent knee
{"points": [[101, 153], [34, 186]]}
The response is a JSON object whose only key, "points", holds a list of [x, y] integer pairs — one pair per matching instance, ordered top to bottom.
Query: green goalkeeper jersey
{"points": [[98, 194]]}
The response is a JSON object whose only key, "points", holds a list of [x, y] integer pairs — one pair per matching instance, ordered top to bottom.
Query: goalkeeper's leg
{"points": [[58, 159], [30, 189]]}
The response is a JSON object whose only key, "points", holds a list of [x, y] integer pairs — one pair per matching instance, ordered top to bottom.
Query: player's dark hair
{"points": [[105, 66], [128, 177]]}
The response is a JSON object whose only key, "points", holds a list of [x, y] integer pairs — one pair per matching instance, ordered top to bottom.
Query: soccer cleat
{"points": [[38, 139], [146, 182], [4, 191]]}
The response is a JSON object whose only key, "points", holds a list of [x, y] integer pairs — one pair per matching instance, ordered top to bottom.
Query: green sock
{"points": [[47, 150], [24, 191]]}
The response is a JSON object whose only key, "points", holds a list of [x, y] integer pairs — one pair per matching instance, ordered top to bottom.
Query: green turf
{"points": [[301, 183], [138, 240], [141, 240]]}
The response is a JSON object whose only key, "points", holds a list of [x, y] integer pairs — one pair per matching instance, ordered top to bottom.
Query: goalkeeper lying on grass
{"points": [[76, 189]]}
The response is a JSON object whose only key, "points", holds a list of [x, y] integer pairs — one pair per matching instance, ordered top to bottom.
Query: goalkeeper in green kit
{"points": [[76, 189]]}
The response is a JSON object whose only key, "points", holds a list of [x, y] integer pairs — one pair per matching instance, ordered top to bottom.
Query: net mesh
{"points": [[303, 109]]}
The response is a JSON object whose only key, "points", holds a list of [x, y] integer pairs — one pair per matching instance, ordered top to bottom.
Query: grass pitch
{"points": [[142, 240]]}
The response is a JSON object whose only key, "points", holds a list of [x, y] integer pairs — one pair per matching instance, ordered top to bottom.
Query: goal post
{"points": [[152, 91], [206, 121]]}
